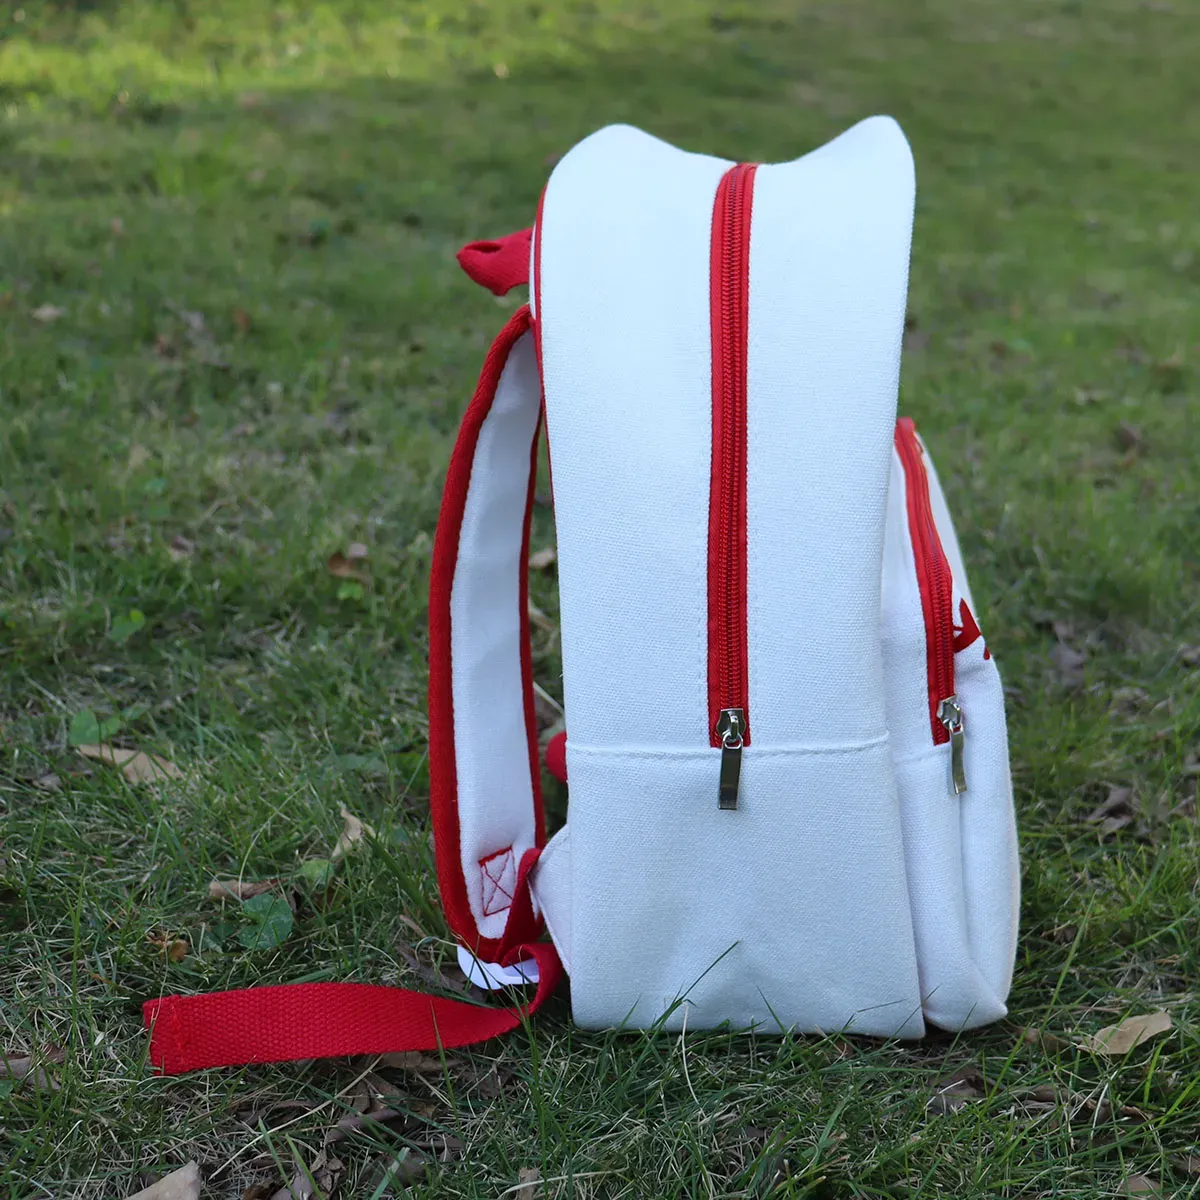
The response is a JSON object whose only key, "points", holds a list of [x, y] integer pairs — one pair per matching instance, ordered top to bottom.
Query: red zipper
{"points": [[936, 582], [728, 670]]}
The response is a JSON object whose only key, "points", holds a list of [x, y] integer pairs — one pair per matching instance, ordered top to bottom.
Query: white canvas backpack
{"points": [[789, 796]]}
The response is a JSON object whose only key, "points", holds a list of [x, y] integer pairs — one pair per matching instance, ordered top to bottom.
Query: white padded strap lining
{"points": [[491, 747]]}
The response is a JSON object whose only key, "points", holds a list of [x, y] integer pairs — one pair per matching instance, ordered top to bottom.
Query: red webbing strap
{"points": [[498, 265], [323, 1020], [326, 1020]]}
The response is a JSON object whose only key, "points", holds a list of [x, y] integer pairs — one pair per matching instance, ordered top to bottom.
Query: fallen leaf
{"points": [[47, 313], [241, 318], [1129, 437], [181, 548], [539, 560], [341, 567], [1069, 664], [547, 711], [136, 765], [1114, 813], [352, 833], [239, 889], [175, 949], [1116, 1040], [1050, 1042], [412, 1060], [24, 1066], [957, 1090], [352, 1122], [1188, 1165], [404, 1168], [183, 1184], [1141, 1185], [528, 1187], [259, 1191]]}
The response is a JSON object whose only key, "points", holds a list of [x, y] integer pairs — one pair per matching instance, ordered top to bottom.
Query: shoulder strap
{"points": [[484, 775], [485, 790]]}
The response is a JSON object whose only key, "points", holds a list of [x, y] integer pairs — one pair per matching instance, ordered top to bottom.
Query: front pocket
{"points": [[952, 775], [793, 916]]}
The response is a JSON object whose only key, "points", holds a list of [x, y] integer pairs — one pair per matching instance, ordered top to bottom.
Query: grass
{"points": [[241, 219]]}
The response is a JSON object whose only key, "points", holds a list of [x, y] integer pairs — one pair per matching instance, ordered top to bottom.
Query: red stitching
{"points": [[490, 906]]}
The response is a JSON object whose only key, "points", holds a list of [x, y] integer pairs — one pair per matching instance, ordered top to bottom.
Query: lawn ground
{"points": [[234, 342]]}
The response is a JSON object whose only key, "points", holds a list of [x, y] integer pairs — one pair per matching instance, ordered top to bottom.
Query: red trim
{"points": [[499, 265], [934, 577], [728, 656], [443, 775]]}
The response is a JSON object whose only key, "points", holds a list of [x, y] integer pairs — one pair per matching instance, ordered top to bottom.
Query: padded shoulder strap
{"points": [[485, 788]]}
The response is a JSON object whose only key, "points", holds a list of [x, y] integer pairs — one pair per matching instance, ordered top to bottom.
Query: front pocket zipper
{"points": [[936, 582], [728, 670]]}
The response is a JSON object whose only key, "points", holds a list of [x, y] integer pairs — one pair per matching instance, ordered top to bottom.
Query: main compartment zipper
{"points": [[936, 583], [728, 670]]}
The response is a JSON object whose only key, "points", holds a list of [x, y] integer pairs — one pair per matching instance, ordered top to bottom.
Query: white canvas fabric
{"points": [[852, 888]]}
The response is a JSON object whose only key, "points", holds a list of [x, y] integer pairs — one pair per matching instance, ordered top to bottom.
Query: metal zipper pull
{"points": [[951, 716], [731, 729]]}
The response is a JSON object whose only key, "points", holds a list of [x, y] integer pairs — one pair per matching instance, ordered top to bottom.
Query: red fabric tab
{"points": [[499, 265], [321, 1020]]}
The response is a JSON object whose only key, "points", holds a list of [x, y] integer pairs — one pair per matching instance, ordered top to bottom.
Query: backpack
{"points": [[790, 806]]}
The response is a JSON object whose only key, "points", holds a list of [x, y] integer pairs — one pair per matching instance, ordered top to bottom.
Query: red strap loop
{"points": [[498, 265]]}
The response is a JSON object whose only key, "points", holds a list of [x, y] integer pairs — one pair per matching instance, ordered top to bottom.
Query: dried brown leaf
{"points": [[46, 313], [241, 318], [1129, 437], [181, 548], [539, 560], [340, 567], [1069, 664], [136, 765], [1115, 812], [352, 833], [239, 889], [174, 949], [1116, 1040], [1051, 1043], [412, 1060], [25, 1066], [957, 1090], [407, 1167], [183, 1184], [528, 1184], [1141, 1185]]}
